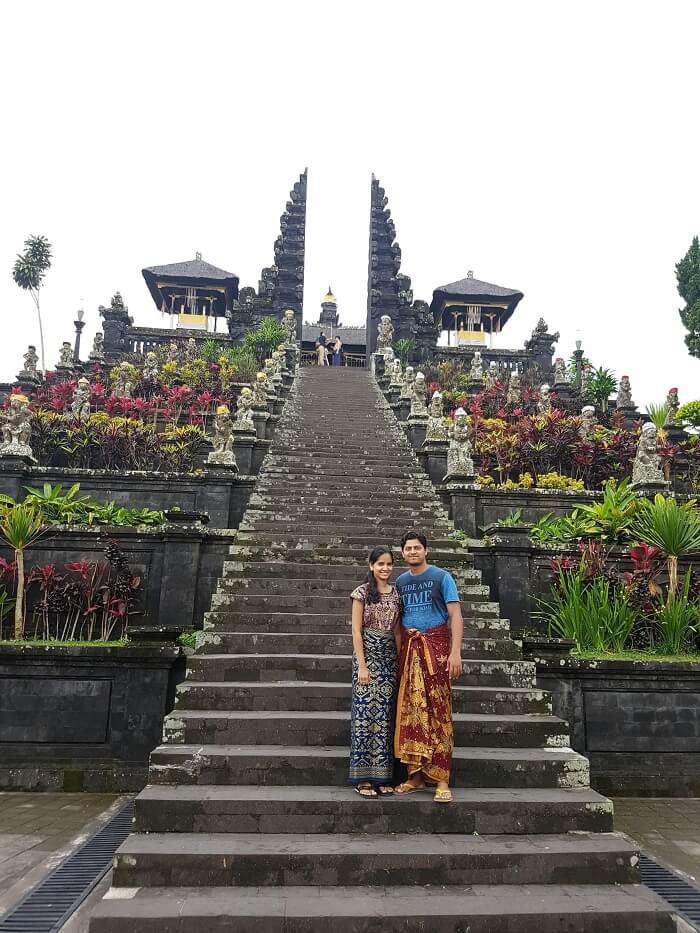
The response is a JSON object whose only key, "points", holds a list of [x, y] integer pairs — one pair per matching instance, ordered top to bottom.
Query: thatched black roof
{"points": [[195, 272], [474, 291]]}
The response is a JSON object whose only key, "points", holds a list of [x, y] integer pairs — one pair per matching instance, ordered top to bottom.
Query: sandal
{"points": [[365, 790], [386, 790], [403, 790], [443, 796]]}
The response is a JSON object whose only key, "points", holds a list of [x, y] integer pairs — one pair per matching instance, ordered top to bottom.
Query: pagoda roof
{"points": [[194, 272], [475, 291]]}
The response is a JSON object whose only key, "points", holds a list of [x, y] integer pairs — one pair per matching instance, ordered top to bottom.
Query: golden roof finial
{"points": [[329, 296]]}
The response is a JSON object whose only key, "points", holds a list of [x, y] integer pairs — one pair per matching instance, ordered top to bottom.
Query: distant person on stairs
{"points": [[376, 613], [431, 656]]}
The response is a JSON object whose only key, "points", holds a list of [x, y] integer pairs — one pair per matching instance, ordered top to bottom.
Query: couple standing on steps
{"points": [[402, 639]]}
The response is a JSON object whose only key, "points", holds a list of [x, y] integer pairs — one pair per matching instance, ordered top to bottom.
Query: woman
{"points": [[337, 352], [321, 358], [376, 633]]}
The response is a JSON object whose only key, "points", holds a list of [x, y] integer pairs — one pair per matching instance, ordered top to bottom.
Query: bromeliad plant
{"points": [[53, 506]]}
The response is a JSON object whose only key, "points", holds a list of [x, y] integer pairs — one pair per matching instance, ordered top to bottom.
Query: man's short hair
{"points": [[414, 533]]}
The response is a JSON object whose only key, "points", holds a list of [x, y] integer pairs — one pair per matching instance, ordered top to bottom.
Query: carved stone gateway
{"points": [[17, 429], [222, 441], [460, 464]]}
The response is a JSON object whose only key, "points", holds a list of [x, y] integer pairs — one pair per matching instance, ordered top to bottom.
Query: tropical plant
{"points": [[28, 273], [688, 278], [264, 339], [403, 346], [599, 386], [658, 414], [690, 414], [67, 508], [611, 519], [512, 520], [20, 526], [674, 529], [564, 530], [676, 620]]}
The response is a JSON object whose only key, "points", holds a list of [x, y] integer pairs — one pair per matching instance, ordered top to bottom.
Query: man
{"points": [[431, 656]]}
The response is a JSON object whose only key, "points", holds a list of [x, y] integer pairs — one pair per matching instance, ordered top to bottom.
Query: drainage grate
{"points": [[672, 887], [49, 905]]}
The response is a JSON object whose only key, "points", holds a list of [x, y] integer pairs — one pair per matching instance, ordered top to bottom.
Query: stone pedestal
{"points": [[290, 360], [377, 365], [27, 384], [391, 393], [566, 397], [402, 408], [630, 416], [261, 417], [271, 425], [417, 426], [243, 445], [433, 457], [220, 461], [649, 490], [461, 496], [511, 570]]}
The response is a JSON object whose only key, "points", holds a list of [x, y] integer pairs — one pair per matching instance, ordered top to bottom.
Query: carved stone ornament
{"points": [[289, 322], [385, 333], [97, 354], [65, 356], [150, 367], [30, 370], [476, 371], [560, 372], [492, 374], [396, 381], [123, 386], [407, 386], [260, 389], [624, 393], [514, 396], [544, 403], [80, 405], [418, 406], [673, 406], [244, 412], [588, 422], [437, 428], [17, 429], [222, 440], [459, 453], [647, 462]]}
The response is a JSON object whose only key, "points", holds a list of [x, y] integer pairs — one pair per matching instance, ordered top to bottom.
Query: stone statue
{"points": [[289, 322], [385, 334], [173, 351], [65, 354], [97, 354], [388, 359], [277, 366], [150, 367], [30, 370], [476, 372], [560, 372], [270, 374], [492, 374], [396, 381], [407, 385], [123, 386], [260, 391], [624, 393], [514, 396], [544, 403], [80, 406], [673, 406], [418, 407], [244, 412], [588, 422], [17, 429], [437, 429], [222, 441], [459, 453], [647, 463]]}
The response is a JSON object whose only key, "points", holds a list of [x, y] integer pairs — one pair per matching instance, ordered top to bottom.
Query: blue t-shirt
{"points": [[425, 597]]}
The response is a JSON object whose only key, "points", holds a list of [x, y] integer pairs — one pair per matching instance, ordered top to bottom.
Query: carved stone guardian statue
{"points": [[289, 322], [385, 334], [97, 354], [65, 355], [150, 367], [30, 370], [476, 371], [492, 374], [560, 378], [396, 381], [407, 385], [123, 386], [260, 390], [624, 394], [514, 396], [544, 403], [80, 406], [418, 406], [673, 406], [244, 412], [588, 422], [17, 429], [437, 429], [222, 441], [459, 454], [647, 469]]}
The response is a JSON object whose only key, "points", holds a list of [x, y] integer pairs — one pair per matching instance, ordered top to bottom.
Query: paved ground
{"points": [[38, 830]]}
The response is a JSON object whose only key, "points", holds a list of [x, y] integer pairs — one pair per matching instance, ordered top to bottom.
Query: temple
{"points": [[194, 293], [467, 310]]}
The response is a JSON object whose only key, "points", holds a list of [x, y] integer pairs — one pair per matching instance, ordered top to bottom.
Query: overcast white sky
{"points": [[550, 147]]}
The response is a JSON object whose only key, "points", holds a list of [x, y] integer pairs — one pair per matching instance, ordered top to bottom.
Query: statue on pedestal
{"points": [[289, 322], [385, 334], [173, 351], [97, 354], [65, 355], [150, 367], [30, 370], [476, 371], [560, 372], [492, 374], [396, 381], [123, 385], [407, 385], [260, 389], [624, 394], [514, 396], [544, 403], [80, 406], [673, 406], [418, 407], [244, 412], [588, 422], [17, 429], [437, 429], [222, 441], [459, 453], [647, 469]]}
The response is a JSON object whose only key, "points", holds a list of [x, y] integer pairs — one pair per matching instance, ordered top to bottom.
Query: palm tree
{"points": [[28, 272], [20, 526], [673, 528]]}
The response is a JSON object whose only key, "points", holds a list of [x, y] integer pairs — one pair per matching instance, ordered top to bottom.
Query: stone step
{"points": [[361, 526], [440, 548], [352, 556], [316, 574], [288, 587], [477, 605], [227, 621], [266, 642], [334, 668], [321, 696], [224, 727], [298, 764], [337, 809], [250, 859], [451, 909]]}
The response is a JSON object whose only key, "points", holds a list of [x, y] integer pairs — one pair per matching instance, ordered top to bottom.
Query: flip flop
{"points": [[359, 788], [403, 790], [385, 791], [443, 796]]}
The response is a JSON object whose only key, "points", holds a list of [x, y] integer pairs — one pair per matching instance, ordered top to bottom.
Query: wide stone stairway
{"points": [[248, 823]]}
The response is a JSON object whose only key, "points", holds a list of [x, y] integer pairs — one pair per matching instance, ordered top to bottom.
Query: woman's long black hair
{"points": [[373, 594]]}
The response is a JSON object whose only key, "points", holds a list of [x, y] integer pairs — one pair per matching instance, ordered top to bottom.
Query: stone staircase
{"points": [[247, 823]]}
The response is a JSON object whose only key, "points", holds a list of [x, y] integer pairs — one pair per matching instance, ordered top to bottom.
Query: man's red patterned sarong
{"points": [[424, 738]]}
